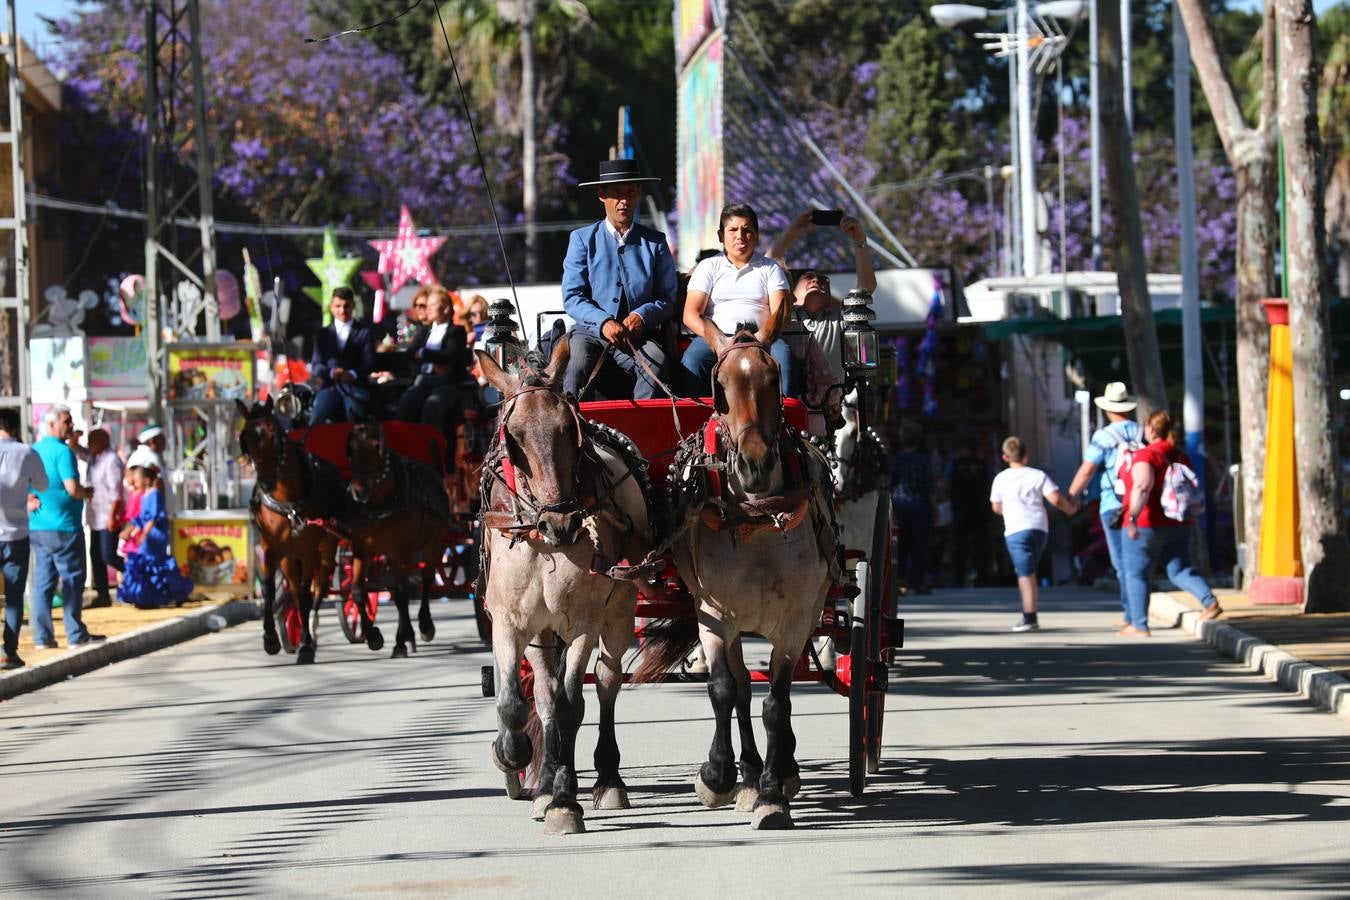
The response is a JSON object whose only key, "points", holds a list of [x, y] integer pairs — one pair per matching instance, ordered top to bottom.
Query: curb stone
{"points": [[125, 646], [1315, 684]]}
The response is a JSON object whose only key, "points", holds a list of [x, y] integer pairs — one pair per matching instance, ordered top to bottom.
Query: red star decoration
{"points": [[407, 257]]}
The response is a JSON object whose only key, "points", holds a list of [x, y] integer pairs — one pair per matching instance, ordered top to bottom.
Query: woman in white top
{"points": [[737, 286]]}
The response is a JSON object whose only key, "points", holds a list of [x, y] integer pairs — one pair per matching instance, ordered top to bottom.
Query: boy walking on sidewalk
{"points": [[1018, 494]]}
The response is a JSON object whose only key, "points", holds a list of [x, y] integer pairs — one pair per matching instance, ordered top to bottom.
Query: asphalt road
{"points": [[1063, 762]]}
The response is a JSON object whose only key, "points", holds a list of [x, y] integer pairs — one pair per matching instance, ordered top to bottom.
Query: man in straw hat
{"points": [[618, 286], [1106, 450]]}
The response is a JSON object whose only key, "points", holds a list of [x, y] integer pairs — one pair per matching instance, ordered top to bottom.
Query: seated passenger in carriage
{"points": [[737, 285], [619, 287], [344, 355], [442, 389]]}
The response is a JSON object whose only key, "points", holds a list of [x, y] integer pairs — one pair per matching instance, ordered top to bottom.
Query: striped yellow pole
{"points": [[1279, 579]]}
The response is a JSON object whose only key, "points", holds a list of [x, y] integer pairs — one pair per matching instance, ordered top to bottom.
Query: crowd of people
{"points": [[46, 505]]}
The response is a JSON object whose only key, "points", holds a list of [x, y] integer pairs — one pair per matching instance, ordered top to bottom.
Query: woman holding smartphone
{"points": [[739, 285]]}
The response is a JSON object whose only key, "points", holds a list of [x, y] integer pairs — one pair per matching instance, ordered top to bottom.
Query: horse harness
{"points": [[401, 470], [315, 473]]}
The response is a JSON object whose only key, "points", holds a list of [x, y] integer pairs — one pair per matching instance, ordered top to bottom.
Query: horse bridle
{"points": [[740, 342], [279, 445], [386, 470], [515, 484]]}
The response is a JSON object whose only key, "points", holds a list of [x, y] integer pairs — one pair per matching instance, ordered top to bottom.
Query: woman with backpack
{"points": [[1161, 496]]}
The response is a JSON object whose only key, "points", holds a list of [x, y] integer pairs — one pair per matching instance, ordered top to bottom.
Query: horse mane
{"points": [[745, 333]]}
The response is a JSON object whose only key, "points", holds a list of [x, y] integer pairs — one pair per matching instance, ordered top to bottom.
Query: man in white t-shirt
{"points": [[738, 286], [1019, 494]]}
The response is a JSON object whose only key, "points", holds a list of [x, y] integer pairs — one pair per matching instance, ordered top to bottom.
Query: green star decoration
{"points": [[333, 271]]}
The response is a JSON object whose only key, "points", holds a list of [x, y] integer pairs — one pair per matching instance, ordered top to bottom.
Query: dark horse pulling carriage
{"points": [[740, 538]]}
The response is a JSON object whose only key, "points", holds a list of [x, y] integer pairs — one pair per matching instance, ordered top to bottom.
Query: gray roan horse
{"points": [[563, 498], [759, 555]]}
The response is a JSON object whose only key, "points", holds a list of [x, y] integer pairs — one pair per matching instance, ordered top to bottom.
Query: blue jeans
{"points": [[699, 359], [351, 400], [1113, 538], [1170, 546], [1025, 548], [59, 555], [14, 567]]}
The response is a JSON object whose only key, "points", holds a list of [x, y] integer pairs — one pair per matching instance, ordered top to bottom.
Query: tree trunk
{"points": [[1251, 153], [530, 179], [1136, 309], [1326, 557]]}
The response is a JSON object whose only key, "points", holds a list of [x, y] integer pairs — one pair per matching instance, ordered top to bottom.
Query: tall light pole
{"points": [[1094, 140], [1027, 144], [1193, 374]]}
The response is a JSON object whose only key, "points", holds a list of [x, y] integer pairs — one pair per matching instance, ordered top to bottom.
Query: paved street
{"points": [[1062, 762]]}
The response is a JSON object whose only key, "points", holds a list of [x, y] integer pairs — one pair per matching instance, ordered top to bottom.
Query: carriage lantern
{"points": [[501, 334], [861, 353]]}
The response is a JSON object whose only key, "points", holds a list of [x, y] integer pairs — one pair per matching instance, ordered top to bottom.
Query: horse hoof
{"points": [[428, 632], [375, 640], [271, 644], [400, 652], [304, 656], [502, 766], [791, 785], [515, 789], [610, 796], [709, 797], [746, 798], [541, 805], [771, 816], [564, 819]]}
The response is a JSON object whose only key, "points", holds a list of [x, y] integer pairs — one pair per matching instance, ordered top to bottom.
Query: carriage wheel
{"points": [[882, 604], [287, 614], [350, 616], [859, 616]]}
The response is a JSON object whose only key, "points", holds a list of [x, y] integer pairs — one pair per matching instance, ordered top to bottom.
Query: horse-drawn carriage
{"points": [[697, 455]]}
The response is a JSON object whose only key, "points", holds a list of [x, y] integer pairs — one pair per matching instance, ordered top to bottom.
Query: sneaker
{"points": [[98, 603], [1213, 611], [1027, 625], [89, 639], [52, 646], [12, 661]]}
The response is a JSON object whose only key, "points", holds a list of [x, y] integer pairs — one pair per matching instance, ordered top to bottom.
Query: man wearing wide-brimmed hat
{"points": [[618, 285], [1122, 434]]}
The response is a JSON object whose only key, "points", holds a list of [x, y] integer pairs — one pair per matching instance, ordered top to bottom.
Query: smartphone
{"points": [[829, 218]]}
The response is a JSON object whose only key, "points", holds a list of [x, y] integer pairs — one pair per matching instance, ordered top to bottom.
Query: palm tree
{"points": [[516, 48]]}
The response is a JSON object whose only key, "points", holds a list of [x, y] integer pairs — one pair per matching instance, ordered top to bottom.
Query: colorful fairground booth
{"points": [[212, 529]]}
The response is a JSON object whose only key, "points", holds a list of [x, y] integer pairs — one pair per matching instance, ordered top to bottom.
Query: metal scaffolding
{"points": [[177, 182], [14, 388]]}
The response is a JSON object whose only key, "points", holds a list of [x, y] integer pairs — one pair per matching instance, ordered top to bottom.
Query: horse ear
{"points": [[773, 326], [719, 340], [557, 365], [496, 376], [239, 405], [267, 407]]}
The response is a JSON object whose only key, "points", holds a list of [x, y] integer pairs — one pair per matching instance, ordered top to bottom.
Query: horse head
{"points": [[745, 390], [540, 430], [262, 440], [369, 458]]}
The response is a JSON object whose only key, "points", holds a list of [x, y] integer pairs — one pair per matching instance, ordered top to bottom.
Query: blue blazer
{"points": [[595, 271], [358, 356]]}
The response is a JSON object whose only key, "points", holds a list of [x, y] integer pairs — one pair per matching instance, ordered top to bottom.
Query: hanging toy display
{"points": [[406, 258], [333, 271], [253, 294], [131, 301], [926, 366], [903, 395]]}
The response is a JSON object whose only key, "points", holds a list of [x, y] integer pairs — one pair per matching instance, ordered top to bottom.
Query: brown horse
{"points": [[294, 493], [562, 498], [399, 511], [758, 554]]}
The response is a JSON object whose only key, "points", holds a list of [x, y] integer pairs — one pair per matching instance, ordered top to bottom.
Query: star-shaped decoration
{"points": [[407, 257], [333, 271]]}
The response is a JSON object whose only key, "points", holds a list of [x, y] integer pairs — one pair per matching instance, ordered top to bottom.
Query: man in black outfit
{"points": [[440, 352], [344, 355], [968, 480]]}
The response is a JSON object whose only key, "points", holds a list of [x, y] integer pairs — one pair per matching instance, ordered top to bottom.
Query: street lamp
{"points": [[500, 334], [861, 354]]}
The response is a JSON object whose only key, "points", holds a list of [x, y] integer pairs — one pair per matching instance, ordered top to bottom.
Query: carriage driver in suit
{"points": [[618, 286], [344, 354]]}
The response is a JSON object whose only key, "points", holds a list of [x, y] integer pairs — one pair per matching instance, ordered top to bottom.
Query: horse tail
{"points": [[666, 643]]}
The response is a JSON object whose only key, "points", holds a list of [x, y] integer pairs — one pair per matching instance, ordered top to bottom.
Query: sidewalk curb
{"points": [[124, 646], [1315, 684]]}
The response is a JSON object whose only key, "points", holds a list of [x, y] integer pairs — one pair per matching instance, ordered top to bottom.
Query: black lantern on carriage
{"points": [[501, 332], [861, 352]]}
